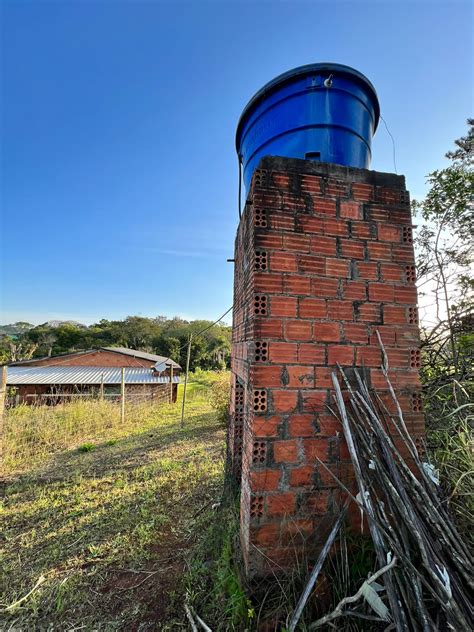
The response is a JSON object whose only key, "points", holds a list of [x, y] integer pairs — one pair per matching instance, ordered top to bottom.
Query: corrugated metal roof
{"points": [[143, 354], [83, 375]]}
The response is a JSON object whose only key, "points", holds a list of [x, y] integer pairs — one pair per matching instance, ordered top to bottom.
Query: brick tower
{"points": [[323, 258]]}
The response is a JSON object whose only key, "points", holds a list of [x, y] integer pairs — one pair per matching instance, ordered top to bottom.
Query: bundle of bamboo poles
{"points": [[425, 578]]}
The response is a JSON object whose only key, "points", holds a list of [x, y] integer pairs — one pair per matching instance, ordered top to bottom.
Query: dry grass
{"points": [[107, 523]]}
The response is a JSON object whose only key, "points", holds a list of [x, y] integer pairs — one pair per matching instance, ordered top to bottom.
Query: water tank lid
{"points": [[308, 69]]}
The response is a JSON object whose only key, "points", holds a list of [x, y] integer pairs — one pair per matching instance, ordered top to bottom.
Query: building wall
{"points": [[323, 260], [94, 358], [34, 393]]}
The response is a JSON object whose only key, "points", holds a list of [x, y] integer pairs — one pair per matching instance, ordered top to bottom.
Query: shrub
{"points": [[220, 394]]}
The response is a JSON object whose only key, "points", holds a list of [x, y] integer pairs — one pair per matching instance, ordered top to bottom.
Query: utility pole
{"points": [[186, 379], [122, 398]]}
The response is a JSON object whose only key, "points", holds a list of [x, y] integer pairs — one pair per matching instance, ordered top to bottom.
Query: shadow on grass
{"points": [[90, 520]]}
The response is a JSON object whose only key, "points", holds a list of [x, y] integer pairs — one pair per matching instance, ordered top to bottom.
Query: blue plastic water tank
{"points": [[326, 112]]}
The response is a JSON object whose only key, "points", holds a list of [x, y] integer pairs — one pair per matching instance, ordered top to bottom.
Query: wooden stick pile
{"points": [[430, 587]]}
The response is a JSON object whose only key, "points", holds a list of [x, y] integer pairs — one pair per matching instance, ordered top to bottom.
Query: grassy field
{"points": [[100, 532]]}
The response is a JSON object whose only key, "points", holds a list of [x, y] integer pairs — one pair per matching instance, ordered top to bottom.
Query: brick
{"points": [[281, 180], [311, 183], [337, 187], [363, 192], [323, 206], [351, 210], [281, 221], [312, 225], [337, 227], [363, 230], [386, 232], [268, 240], [298, 243], [323, 245], [352, 249], [379, 251], [403, 254], [282, 262], [311, 264], [337, 268], [367, 270], [392, 272], [268, 283], [297, 284], [324, 287], [354, 290], [381, 292], [406, 294], [285, 306], [312, 308], [340, 310], [369, 313], [393, 315], [268, 328], [298, 330], [327, 332], [356, 333], [388, 335], [282, 352], [311, 352], [341, 354], [368, 356], [266, 376], [300, 376], [323, 377], [284, 401], [314, 401], [329, 425], [301, 426], [264, 427], [315, 449], [285, 451], [302, 476], [265, 481], [317, 502], [281, 504], [296, 531], [266, 534]]}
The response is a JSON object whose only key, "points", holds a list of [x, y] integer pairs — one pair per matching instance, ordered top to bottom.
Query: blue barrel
{"points": [[325, 112]]}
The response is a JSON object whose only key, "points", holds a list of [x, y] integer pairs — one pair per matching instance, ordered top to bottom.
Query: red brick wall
{"points": [[324, 259], [94, 358]]}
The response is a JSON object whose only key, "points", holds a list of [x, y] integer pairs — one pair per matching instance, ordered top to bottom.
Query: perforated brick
{"points": [[260, 218], [407, 235], [261, 260], [410, 274], [260, 305], [413, 315], [261, 351], [415, 358], [259, 400], [416, 403], [259, 452], [256, 506]]}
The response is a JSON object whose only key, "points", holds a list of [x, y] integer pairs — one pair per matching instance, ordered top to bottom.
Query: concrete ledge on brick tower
{"points": [[323, 260]]}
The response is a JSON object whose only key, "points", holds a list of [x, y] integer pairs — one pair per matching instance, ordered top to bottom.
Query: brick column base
{"points": [[323, 259]]}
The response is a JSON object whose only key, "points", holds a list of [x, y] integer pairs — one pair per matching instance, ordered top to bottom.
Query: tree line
{"points": [[160, 335]]}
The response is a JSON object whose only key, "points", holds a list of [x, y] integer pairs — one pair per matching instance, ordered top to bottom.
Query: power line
{"points": [[393, 145]]}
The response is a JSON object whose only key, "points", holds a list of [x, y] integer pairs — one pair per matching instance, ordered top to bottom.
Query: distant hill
{"points": [[15, 329]]}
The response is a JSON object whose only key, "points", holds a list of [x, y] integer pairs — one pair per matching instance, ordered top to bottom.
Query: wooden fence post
{"points": [[186, 378], [171, 383], [3, 394], [122, 398]]}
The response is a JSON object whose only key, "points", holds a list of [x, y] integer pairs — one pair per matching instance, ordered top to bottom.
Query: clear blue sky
{"points": [[119, 175]]}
